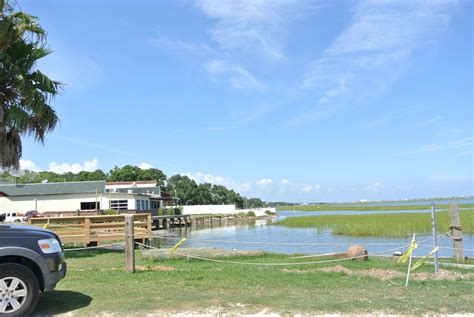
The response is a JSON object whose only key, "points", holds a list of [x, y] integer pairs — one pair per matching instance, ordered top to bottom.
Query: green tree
{"points": [[25, 92], [127, 173], [152, 174], [97, 175], [184, 188], [203, 194], [255, 203]]}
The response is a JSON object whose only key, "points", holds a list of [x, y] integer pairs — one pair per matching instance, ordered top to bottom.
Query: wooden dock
{"points": [[184, 221], [170, 222], [93, 229]]}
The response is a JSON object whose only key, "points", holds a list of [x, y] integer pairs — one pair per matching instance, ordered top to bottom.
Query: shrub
{"points": [[109, 212], [163, 212]]}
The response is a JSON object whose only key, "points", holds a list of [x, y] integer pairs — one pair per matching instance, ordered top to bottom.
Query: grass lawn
{"points": [[362, 207], [388, 225], [96, 283]]}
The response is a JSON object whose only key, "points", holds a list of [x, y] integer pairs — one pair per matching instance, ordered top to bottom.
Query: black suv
{"points": [[31, 260]]}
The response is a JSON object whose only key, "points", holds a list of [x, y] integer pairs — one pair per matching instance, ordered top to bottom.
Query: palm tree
{"points": [[25, 92]]}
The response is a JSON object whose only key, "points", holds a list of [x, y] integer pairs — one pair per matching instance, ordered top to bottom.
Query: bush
{"points": [[178, 211], [109, 212], [164, 212], [270, 213], [247, 214]]}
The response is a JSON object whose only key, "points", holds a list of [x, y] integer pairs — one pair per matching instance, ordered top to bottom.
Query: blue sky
{"points": [[285, 100]]}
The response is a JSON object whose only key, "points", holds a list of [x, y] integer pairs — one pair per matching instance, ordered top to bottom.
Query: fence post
{"points": [[149, 224], [87, 230], [456, 232], [435, 239], [129, 244]]}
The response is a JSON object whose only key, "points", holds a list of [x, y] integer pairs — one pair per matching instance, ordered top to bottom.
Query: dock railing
{"points": [[93, 229]]}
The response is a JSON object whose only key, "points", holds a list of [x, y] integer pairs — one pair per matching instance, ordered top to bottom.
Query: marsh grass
{"points": [[380, 225]]}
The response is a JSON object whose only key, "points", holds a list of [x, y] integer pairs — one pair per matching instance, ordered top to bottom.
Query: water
{"points": [[469, 200], [279, 239]]}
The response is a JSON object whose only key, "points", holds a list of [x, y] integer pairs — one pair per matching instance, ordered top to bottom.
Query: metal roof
{"points": [[52, 188]]}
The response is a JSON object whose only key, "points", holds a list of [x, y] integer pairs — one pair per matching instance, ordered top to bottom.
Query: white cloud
{"points": [[252, 26], [246, 33], [176, 45], [368, 55], [238, 77], [464, 145], [28, 165], [145, 166], [74, 168], [201, 177], [265, 182], [375, 187], [259, 188], [306, 188]]}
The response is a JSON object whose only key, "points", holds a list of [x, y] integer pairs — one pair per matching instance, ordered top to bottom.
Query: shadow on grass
{"points": [[90, 253], [60, 302]]}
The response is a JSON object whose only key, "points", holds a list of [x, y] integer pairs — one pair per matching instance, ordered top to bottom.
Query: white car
{"points": [[12, 217]]}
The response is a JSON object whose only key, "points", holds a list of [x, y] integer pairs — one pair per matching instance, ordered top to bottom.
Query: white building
{"points": [[73, 196]]}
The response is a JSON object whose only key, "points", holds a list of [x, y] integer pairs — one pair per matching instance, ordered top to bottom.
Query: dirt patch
{"points": [[137, 268], [154, 268], [390, 274], [241, 311]]}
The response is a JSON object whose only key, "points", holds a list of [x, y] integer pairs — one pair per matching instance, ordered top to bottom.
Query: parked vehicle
{"points": [[32, 214], [14, 217], [31, 261]]}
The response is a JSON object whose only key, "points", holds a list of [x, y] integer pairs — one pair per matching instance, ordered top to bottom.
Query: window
{"points": [[119, 204], [154, 204], [89, 205], [146, 205]]}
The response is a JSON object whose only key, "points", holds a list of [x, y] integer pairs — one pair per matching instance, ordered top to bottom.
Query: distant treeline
{"points": [[186, 189]]}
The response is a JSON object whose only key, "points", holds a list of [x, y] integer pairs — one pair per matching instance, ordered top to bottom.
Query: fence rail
{"points": [[93, 229]]}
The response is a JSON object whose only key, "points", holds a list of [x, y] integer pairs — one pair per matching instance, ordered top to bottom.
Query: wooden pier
{"points": [[184, 221], [169, 222]]}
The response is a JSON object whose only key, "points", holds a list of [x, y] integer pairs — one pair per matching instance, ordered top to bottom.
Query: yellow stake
{"points": [[173, 249], [404, 258], [423, 259]]}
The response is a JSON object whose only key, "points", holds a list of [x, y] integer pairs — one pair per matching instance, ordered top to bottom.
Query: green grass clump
{"points": [[362, 207], [380, 225]]}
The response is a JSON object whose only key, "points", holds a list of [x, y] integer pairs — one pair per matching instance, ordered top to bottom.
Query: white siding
{"points": [[67, 202], [209, 209]]}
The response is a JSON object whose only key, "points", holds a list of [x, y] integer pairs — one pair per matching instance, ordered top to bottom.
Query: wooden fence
{"points": [[93, 229]]}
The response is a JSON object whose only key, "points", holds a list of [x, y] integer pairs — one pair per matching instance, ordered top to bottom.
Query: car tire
{"points": [[22, 301]]}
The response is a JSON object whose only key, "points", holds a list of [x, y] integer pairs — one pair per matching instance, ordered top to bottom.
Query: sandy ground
{"points": [[390, 274], [219, 311]]}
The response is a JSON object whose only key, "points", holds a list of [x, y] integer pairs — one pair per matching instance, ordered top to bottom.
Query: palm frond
{"points": [[25, 92]]}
